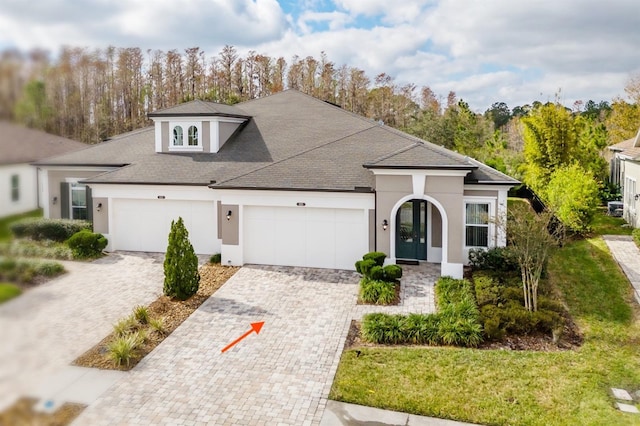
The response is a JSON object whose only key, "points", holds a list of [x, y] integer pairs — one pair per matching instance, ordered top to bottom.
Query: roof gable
{"points": [[200, 108], [420, 156]]}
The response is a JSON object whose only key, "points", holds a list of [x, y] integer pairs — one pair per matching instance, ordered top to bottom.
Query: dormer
{"points": [[196, 126]]}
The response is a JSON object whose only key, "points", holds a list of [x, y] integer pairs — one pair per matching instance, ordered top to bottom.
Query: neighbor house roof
{"points": [[291, 141], [19, 144]]}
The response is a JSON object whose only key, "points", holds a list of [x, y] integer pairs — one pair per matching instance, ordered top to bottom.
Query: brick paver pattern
{"points": [[626, 253], [47, 327], [282, 376]]}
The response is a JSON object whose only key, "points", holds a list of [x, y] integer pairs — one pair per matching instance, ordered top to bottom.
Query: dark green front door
{"points": [[411, 230]]}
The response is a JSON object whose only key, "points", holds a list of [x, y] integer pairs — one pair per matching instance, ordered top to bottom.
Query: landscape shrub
{"points": [[48, 229], [86, 244], [46, 249], [377, 256], [216, 258], [497, 259], [364, 266], [26, 270], [392, 272], [376, 273], [181, 277], [376, 291], [456, 323]]}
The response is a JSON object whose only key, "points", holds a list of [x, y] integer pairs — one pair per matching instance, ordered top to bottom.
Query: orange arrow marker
{"points": [[255, 326]]}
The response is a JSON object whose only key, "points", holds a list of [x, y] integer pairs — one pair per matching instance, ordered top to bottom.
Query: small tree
{"points": [[572, 193], [531, 238], [181, 277]]}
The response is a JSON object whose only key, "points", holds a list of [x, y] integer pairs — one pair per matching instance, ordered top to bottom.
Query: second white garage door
{"points": [[144, 225], [314, 237]]}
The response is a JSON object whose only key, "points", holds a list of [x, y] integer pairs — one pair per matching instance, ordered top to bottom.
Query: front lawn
{"points": [[604, 224], [8, 291], [517, 387]]}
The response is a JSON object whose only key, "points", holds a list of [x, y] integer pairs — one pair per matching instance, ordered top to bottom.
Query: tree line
{"points": [[92, 94]]}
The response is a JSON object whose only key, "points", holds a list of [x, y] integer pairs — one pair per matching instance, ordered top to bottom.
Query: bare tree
{"points": [[531, 237]]}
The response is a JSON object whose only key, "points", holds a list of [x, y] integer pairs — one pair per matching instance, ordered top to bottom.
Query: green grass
{"points": [[608, 225], [5, 232], [9, 291], [518, 387]]}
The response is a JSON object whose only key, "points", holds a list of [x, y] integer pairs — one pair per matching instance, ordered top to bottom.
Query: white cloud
{"points": [[489, 51]]}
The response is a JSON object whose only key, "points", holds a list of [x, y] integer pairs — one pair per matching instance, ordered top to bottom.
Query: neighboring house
{"points": [[20, 146], [625, 171], [283, 180]]}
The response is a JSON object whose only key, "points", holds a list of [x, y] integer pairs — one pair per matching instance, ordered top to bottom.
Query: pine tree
{"points": [[181, 277]]}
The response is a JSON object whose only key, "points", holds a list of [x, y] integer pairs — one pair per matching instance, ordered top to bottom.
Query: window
{"points": [[177, 136], [185, 136], [193, 136], [15, 188], [78, 201], [477, 224]]}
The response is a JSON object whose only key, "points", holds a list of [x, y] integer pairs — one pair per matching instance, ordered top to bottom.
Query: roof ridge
{"points": [[306, 151], [391, 154]]}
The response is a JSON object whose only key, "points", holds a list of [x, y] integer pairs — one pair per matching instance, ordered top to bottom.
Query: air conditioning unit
{"points": [[615, 208]]}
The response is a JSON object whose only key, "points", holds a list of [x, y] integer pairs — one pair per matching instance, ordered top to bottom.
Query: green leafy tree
{"points": [[34, 109], [623, 121], [550, 140], [572, 194], [181, 277]]}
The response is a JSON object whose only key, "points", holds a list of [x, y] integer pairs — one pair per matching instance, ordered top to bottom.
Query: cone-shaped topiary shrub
{"points": [[181, 277]]}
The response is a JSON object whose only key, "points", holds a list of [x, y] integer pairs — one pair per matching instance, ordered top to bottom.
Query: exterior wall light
{"points": [[55, 200], [99, 207], [229, 215], [385, 224]]}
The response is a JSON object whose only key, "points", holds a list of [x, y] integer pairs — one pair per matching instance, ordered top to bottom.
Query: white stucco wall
{"points": [[28, 197]]}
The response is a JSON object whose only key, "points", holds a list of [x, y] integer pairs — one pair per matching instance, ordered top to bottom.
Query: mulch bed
{"points": [[174, 312], [21, 413]]}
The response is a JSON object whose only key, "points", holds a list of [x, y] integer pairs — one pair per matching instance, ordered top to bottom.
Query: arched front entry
{"points": [[409, 220], [412, 230]]}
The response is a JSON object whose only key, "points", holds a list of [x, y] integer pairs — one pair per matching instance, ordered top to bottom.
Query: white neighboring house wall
{"points": [[27, 189], [631, 189]]}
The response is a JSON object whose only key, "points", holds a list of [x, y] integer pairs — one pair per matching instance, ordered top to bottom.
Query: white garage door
{"points": [[144, 225], [322, 238]]}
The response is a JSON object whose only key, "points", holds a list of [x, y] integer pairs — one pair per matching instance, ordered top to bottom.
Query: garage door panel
{"points": [[144, 225], [314, 237], [290, 241]]}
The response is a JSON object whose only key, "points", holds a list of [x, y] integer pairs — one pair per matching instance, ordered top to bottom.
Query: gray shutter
{"points": [[65, 204], [89, 204]]}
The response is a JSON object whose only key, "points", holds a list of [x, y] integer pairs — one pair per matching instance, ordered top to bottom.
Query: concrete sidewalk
{"points": [[627, 254], [343, 414]]}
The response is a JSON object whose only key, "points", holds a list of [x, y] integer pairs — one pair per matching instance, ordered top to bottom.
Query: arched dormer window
{"points": [[177, 136], [185, 136], [193, 136]]}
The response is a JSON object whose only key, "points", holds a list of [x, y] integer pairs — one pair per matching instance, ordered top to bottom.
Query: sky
{"points": [[486, 51]]}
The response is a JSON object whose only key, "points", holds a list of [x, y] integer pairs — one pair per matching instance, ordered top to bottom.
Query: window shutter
{"points": [[65, 204], [89, 204]]}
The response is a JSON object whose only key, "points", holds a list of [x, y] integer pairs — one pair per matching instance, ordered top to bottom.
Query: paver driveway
{"points": [[46, 328], [281, 376]]}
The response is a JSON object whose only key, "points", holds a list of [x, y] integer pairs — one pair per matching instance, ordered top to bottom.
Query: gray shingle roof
{"points": [[198, 108], [292, 141], [19, 144], [420, 155]]}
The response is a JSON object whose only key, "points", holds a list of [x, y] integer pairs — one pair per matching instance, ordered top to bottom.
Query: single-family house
{"points": [[20, 146], [625, 171], [284, 180]]}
